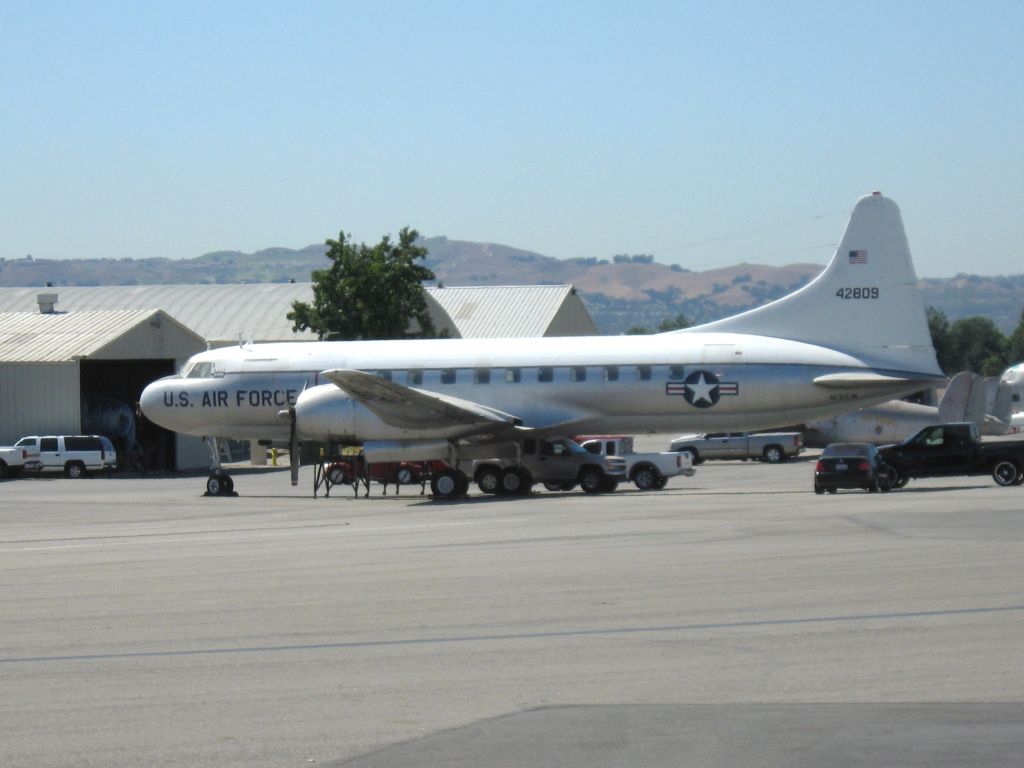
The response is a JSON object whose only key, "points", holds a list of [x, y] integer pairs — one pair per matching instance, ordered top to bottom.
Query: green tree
{"points": [[368, 292], [674, 323], [668, 324], [938, 325], [977, 345], [1015, 353]]}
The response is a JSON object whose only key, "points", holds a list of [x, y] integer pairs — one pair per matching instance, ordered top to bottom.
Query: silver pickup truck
{"points": [[772, 447]]}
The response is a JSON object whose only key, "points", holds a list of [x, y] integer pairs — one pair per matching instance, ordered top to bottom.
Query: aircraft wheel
{"points": [[219, 484]]}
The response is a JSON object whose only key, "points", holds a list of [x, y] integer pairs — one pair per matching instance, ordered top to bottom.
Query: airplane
{"points": [[854, 336], [1013, 377], [965, 399]]}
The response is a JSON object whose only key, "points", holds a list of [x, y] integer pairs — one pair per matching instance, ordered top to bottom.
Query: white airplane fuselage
{"points": [[665, 382]]}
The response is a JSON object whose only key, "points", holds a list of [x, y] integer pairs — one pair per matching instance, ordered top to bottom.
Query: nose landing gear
{"points": [[219, 483]]}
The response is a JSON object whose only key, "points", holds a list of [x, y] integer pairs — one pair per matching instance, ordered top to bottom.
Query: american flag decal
{"points": [[858, 257]]}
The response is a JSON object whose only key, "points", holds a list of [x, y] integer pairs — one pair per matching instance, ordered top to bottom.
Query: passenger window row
{"points": [[544, 374]]}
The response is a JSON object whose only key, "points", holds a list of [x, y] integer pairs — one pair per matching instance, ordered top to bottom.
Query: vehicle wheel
{"points": [[773, 454], [694, 456], [74, 469], [4, 471], [1005, 472], [405, 476], [645, 478], [884, 478], [488, 479], [591, 479], [897, 479], [1019, 479], [514, 480], [662, 482], [461, 483], [445, 484], [568, 485], [608, 485], [554, 486], [873, 488], [818, 489], [831, 490]]}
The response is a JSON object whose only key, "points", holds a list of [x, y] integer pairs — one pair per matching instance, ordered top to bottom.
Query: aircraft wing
{"points": [[402, 406]]}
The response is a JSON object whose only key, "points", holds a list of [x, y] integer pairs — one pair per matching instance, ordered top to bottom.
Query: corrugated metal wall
{"points": [[39, 399]]}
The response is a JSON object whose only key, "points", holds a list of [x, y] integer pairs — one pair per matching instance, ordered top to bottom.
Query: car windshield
{"points": [[862, 450]]}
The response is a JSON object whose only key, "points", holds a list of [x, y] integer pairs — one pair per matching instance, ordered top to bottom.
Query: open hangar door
{"points": [[110, 392]]}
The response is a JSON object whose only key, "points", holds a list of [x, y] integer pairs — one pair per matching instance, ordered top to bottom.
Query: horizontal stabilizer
{"points": [[866, 379], [403, 406]]}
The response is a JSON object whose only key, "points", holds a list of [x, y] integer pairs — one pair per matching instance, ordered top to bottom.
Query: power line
{"points": [[752, 231]]}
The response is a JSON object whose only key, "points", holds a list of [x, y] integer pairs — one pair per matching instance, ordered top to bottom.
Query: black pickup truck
{"points": [[943, 450]]}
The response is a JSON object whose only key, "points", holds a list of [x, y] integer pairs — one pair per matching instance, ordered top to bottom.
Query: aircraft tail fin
{"points": [[865, 303], [957, 399]]}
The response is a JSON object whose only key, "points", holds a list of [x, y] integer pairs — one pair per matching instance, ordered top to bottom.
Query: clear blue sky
{"points": [[707, 133]]}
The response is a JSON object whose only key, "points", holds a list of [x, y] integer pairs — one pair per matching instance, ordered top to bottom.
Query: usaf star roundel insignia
{"points": [[702, 389]]}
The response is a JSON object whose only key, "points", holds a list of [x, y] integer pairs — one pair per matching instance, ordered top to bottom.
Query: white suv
{"points": [[74, 455]]}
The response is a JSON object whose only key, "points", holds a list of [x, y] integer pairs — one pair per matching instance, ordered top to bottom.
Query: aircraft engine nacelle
{"points": [[325, 412]]}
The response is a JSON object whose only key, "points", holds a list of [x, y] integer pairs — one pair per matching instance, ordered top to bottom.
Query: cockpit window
{"points": [[201, 370]]}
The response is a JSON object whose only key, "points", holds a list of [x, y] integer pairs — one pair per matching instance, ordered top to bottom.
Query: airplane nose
{"points": [[151, 403]]}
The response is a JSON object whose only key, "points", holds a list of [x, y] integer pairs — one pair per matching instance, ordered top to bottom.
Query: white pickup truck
{"points": [[772, 447], [14, 460], [648, 471]]}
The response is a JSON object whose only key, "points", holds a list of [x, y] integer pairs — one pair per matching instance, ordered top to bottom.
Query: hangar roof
{"points": [[497, 311], [215, 312], [225, 312], [64, 336]]}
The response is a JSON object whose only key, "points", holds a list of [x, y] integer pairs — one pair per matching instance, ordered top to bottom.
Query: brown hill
{"points": [[625, 292]]}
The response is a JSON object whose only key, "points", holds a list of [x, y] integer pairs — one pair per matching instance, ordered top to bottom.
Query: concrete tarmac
{"points": [[732, 619]]}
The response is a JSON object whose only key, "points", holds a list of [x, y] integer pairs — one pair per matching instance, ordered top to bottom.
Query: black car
{"points": [[851, 465]]}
